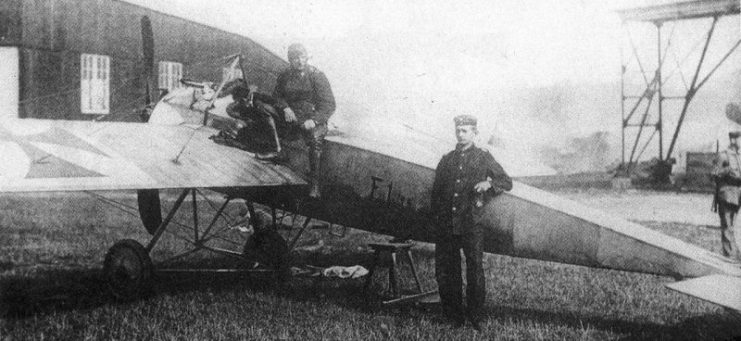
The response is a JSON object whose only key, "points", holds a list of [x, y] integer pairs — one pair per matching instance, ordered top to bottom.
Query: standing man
{"points": [[303, 94], [727, 176], [465, 179]]}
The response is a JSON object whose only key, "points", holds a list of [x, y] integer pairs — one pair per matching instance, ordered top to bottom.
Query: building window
{"points": [[4, 26], [170, 74], [95, 83]]}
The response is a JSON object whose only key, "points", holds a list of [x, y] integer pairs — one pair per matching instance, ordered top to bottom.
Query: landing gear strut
{"points": [[129, 269]]}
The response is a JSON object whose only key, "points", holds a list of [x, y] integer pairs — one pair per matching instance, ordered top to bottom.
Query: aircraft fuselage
{"points": [[364, 186]]}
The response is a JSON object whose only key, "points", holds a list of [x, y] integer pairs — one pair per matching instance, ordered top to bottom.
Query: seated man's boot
{"points": [[277, 157], [314, 163], [314, 191]]}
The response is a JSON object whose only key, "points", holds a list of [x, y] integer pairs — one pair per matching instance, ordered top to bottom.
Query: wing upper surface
{"points": [[46, 155]]}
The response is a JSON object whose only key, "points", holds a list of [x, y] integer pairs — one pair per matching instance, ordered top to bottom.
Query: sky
{"points": [[505, 39], [418, 50], [423, 62]]}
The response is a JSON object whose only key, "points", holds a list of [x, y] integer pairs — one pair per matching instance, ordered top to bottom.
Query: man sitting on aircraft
{"points": [[304, 95], [259, 124], [727, 176], [465, 179]]}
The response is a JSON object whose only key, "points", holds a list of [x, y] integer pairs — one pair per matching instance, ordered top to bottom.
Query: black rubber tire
{"points": [[150, 209], [128, 270]]}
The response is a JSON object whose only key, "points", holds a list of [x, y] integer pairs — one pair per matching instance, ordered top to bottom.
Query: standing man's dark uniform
{"points": [[305, 96], [727, 175], [465, 179]]}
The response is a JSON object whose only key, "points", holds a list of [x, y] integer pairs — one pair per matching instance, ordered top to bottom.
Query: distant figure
{"points": [[304, 95], [733, 112], [259, 126], [727, 176], [465, 179]]}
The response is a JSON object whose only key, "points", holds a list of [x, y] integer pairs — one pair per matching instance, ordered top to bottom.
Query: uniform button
{"points": [[460, 167], [458, 180], [455, 195], [453, 209]]}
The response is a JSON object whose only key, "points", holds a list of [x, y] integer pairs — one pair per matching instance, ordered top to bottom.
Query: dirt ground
{"points": [[641, 205]]}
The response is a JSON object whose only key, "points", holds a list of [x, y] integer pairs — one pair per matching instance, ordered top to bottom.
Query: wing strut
{"points": [[161, 229]]}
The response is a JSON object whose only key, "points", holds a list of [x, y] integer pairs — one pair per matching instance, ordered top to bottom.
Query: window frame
{"points": [[169, 74], [95, 84]]}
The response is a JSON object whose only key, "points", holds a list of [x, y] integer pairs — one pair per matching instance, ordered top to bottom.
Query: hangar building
{"points": [[83, 59]]}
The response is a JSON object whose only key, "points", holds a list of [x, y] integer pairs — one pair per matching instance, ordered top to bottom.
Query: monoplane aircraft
{"points": [[367, 182]]}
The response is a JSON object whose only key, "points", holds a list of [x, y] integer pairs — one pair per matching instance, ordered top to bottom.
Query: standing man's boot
{"points": [[315, 155]]}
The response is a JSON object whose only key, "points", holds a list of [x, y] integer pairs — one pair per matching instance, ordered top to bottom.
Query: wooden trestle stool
{"points": [[395, 250]]}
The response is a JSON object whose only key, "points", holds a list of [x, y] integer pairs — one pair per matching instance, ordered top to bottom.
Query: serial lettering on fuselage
{"points": [[389, 197], [387, 209]]}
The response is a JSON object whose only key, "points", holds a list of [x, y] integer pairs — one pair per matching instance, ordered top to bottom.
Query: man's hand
{"points": [[290, 115], [309, 124], [482, 186]]}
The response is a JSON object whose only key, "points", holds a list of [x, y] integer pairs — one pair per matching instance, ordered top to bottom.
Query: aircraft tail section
{"points": [[374, 185], [719, 289]]}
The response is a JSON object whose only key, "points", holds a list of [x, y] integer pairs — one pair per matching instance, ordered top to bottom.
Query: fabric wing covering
{"points": [[45, 155]]}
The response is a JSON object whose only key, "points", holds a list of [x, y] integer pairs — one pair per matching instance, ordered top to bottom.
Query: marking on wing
{"points": [[64, 138], [38, 154], [45, 155], [33, 163], [45, 165], [119, 170]]}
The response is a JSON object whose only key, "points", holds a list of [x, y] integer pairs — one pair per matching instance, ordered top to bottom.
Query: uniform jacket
{"points": [[307, 93], [727, 174], [453, 194]]}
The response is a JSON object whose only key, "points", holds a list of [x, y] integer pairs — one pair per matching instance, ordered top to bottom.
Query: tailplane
{"points": [[719, 289]]}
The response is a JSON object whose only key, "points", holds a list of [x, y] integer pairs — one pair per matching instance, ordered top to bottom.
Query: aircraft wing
{"points": [[50, 155]]}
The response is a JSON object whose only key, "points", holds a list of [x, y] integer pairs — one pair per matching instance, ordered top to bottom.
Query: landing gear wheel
{"points": [[267, 247], [128, 270]]}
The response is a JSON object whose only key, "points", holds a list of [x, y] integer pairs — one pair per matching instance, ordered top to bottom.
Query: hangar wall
{"points": [[52, 35]]}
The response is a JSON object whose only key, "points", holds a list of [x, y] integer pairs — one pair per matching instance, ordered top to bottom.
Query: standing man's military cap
{"points": [[465, 120], [734, 134]]}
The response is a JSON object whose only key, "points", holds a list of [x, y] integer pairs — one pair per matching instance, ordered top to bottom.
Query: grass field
{"points": [[52, 248]]}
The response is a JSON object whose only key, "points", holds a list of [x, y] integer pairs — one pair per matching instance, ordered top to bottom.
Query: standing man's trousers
{"points": [[727, 213], [449, 278]]}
